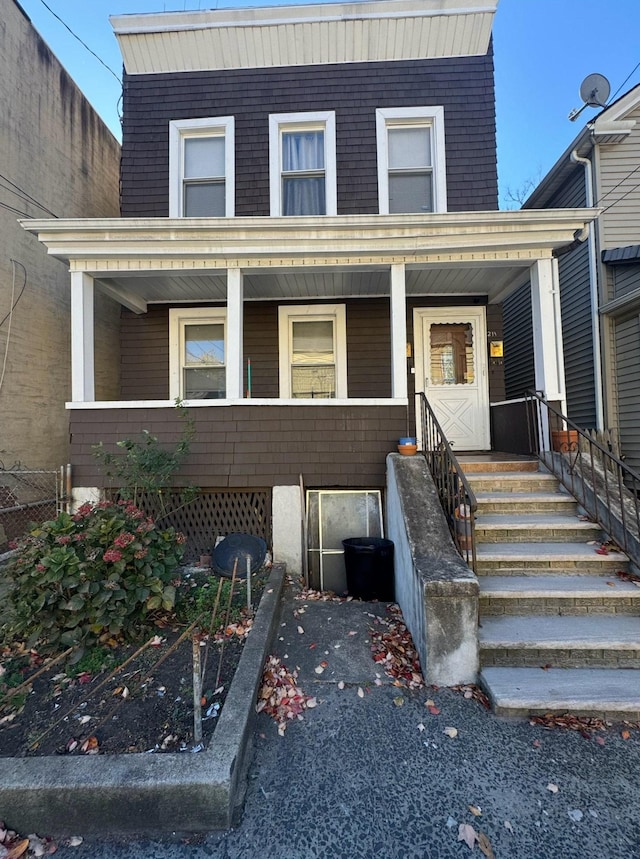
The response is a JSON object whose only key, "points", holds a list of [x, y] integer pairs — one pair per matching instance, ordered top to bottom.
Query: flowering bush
{"points": [[96, 574]]}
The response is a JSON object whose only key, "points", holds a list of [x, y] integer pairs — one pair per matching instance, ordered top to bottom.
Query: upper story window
{"points": [[411, 160], [302, 163], [201, 168], [197, 367]]}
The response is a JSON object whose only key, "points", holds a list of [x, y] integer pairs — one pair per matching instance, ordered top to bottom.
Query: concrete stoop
{"points": [[559, 631], [147, 793]]}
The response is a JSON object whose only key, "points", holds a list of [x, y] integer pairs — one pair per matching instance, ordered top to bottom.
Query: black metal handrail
{"points": [[601, 482], [456, 496]]}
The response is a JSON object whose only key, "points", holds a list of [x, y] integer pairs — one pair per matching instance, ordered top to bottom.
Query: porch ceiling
{"points": [[492, 281]]}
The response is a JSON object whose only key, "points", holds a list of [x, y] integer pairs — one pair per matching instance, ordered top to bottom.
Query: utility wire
{"points": [[84, 44], [623, 83], [624, 179], [24, 195], [620, 199], [13, 209], [13, 304]]}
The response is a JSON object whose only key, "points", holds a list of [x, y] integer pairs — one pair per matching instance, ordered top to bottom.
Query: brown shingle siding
{"points": [[464, 86]]}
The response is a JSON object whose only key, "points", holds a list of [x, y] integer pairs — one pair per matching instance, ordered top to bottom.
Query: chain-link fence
{"points": [[27, 497]]}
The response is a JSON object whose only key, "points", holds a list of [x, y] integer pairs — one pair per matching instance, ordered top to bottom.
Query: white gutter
{"points": [[593, 287]]}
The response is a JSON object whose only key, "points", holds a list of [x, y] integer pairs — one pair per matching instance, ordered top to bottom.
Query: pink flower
{"points": [[103, 505], [82, 511], [180, 538], [63, 539], [123, 540], [13, 544], [112, 555], [40, 568]]}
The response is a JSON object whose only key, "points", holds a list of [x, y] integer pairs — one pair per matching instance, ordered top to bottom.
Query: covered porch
{"points": [[376, 283]]}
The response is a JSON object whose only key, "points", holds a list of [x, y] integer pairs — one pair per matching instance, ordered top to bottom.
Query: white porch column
{"points": [[398, 331], [547, 331], [82, 338], [234, 345]]}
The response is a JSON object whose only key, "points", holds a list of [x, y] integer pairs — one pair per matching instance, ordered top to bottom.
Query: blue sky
{"points": [[543, 50]]}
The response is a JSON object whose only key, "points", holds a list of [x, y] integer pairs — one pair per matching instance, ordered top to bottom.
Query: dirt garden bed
{"points": [[135, 698]]}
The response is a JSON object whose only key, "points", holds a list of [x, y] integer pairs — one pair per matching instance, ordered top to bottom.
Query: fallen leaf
{"points": [[611, 584], [300, 630], [352, 632], [156, 641], [313, 646], [319, 669], [84, 677], [341, 684], [360, 692], [399, 701], [429, 703], [434, 711], [84, 719], [421, 727], [451, 732], [625, 735], [600, 741], [537, 744], [90, 746], [553, 787], [475, 810], [575, 815], [508, 826], [467, 833], [75, 841], [485, 846], [17, 850]]}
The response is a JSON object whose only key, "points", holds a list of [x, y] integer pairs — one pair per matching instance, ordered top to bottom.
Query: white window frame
{"points": [[433, 117], [279, 122], [179, 131], [296, 312], [179, 318]]}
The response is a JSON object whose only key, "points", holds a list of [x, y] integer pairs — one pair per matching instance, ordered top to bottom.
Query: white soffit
{"points": [[303, 35]]}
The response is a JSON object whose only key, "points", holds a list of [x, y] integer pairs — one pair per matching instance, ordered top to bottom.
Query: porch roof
{"points": [[185, 259]]}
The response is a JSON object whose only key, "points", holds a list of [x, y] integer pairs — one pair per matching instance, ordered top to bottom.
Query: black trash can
{"points": [[369, 565]]}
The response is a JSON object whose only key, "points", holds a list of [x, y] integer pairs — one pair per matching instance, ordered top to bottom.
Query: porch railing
{"points": [[603, 484], [456, 496]]}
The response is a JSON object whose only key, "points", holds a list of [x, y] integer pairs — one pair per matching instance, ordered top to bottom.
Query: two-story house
{"points": [[309, 236], [599, 279]]}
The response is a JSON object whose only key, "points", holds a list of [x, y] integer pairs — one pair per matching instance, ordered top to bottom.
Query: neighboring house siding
{"points": [[464, 86], [56, 150], [619, 192], [625, 278], [575, 302], [575, 305], [627, 343], [519, 370], [259, 447]]}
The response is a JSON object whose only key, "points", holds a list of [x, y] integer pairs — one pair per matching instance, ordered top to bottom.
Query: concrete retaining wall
{"points": [[437, 592], [142, 793]]}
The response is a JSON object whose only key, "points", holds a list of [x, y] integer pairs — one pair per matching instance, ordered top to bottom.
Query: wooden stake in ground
{"points": [[249, 585], [226, 621], [197, 690]]}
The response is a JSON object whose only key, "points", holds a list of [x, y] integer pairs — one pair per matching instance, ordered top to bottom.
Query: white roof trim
{"points": [[301, 35]]}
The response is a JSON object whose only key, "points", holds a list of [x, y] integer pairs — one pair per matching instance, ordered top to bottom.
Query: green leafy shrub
{"points": [[92, 576]]}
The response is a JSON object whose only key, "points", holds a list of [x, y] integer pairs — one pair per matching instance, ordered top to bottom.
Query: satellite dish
{"points": [[594, 90]]}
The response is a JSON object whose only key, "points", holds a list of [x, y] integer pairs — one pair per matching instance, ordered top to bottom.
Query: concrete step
{"points": [[471, 465], [513, 482], [526, 502], [534, 528], [554, 558], [557, 595], [605, 641], [609, 693]]}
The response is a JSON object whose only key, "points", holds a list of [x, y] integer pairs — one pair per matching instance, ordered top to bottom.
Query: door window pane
{"points": [[451, 354]]}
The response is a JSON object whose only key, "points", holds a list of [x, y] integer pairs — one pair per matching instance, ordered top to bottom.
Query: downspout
{"points": [[593, 288]]}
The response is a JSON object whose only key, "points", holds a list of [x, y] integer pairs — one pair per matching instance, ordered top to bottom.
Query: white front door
{"points": [[451, 369]]}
